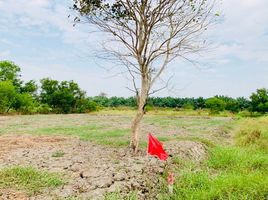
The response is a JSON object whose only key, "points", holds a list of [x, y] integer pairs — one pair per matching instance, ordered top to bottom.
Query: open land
{"points": [[86, 156]]}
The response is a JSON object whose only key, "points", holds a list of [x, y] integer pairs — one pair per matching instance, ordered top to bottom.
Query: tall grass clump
{"points": [[253, 133]]}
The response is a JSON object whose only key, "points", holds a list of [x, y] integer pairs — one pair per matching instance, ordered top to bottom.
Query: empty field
{"points": [[86, 156]]}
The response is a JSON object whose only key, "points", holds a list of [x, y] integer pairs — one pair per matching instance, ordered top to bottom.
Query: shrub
{"points": [[7, 96], [259, 101], [24, 103], [86, 105], [215, 105]]}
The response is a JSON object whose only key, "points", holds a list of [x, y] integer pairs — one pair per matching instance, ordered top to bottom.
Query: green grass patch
{"points": [[253, 133], [113, 138], [164, 138], [57, 154], [237, 159], [229, 173], [28, 179], [201, 185], [117, 196]]}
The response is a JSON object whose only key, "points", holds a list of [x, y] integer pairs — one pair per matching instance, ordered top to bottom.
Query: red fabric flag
{"points": [[155, 148]]}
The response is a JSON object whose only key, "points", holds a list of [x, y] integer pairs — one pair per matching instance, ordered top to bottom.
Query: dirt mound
{"points": [[190, 150], [92, 170]]}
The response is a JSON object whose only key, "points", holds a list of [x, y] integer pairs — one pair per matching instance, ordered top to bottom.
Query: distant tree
{"points": [[146, 35], [10, 72], [30, 87], [103, 94], [8, 96], [61, 96], [116, 101], [259, 101], [131, 102], [24, 103], [199, 103], [243, 103], [215, 104], [85, 105]]}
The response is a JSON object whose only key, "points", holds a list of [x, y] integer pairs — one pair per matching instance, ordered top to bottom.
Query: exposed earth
{"points": [[91, 170]]}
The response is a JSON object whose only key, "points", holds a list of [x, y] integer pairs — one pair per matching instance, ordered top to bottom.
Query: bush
{"points": [[10, 72], [7, 96], [63, 96], [259, 101], [24, 103], [86, 105], [215, 105], [44, 109]]}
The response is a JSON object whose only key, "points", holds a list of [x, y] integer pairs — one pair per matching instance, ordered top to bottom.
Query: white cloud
{"points": [[41, 14], [242, 33]]}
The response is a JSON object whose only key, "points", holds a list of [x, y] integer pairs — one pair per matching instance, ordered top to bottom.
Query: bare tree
{"points": [[145, 36]]}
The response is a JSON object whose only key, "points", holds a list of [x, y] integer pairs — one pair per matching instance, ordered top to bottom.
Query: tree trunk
{"points": [[135, 126], [135, 129]]}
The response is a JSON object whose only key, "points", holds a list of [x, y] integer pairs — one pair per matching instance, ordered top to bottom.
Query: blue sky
{"points": [[38, 36]]}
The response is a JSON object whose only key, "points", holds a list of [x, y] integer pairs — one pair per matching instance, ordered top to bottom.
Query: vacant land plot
{"points": [[87, 157]]}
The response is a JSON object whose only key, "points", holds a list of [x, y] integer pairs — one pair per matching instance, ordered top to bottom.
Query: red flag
{"points": [[155, 148]]}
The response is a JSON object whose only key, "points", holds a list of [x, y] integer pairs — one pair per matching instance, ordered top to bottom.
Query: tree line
{"points": [[53, 96]]}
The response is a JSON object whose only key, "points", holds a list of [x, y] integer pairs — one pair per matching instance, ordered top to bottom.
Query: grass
{"points": [[253, 133], [58, 154], [237, 166], [235, 172], [229, 173], [28, 179], [118, 196]]}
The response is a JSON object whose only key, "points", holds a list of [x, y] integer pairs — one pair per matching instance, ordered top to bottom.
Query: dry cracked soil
{"points": [[90, 170]]}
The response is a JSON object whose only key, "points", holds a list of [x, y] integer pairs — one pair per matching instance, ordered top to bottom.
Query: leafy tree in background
{"points": [[10, 72], [30, 87], [8, 96], [61, 96], [101, 100], [259, 101], [25, 103], [199, 103], [243, 103], [215, 104], [85, 105]]}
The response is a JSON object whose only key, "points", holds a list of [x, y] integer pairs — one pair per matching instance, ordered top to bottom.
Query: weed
{"points": [[58, 154], [28, 179], [118, 196]]}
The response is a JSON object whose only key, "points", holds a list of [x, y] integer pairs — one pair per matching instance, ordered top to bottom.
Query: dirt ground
{"points": [[91, 170]]}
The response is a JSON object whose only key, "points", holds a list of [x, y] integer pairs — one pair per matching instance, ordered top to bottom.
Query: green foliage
{"points": [[10, 72], [30, 87], [8, 96], [63, 96], [67, 97], [259, 101], [24, 103], [85, 105], [215, 105], [43, 109], [253, 133], [58, 154], [235, 159], [229, 173], [28, 179]]}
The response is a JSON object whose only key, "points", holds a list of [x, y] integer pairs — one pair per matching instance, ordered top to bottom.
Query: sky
{"points": [[38, 36]]}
